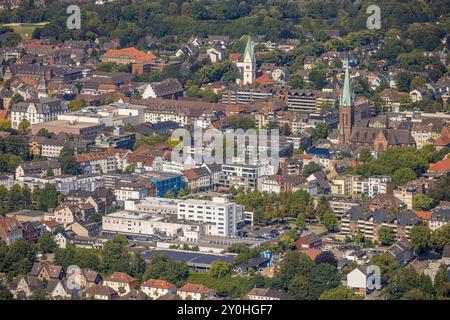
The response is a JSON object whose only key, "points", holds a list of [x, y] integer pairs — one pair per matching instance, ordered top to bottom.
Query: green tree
{"points": [[403, 81], [76, 105], [24, 126], [320, 131], [365, 155], [67, 161], [311, 168], [403, 175], [48, 197], [422, 202], [330, 221], [386, 236], [289, 238], [420, 238], [440, 238], [46, 243], [115, 256], [386, 262], [294, 264], [137, 265], [160, 267], [220, 269], [440, 280], [400, 282], [426, 285], [299, 288], [339, 293], [5, 294], [414, 294]]}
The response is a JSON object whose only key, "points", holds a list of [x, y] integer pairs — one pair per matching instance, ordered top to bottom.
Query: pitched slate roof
{"points": [[167, 87], [53, 271]]}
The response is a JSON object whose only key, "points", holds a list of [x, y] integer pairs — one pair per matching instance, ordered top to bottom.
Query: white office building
{"points": [[220, 216]]}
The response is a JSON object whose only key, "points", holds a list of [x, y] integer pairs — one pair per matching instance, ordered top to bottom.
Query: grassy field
{"points": [[24, 29]]}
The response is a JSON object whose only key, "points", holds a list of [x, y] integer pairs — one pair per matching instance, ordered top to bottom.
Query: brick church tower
{"points": [[346, 112]]}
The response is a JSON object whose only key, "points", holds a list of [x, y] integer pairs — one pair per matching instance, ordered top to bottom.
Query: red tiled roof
{"points": [[131, 53], [234, 57], [265, 79], [3, 114], [443, 165], [424, 215], [51, 223], [312, 253], [120, 277], [157, 283]]}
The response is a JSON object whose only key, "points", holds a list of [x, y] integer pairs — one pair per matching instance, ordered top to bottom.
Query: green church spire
{"points": [[249, 50], [346, 97]]}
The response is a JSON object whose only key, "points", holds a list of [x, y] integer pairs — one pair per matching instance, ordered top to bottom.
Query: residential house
{"points": [[39, 168], [197, 178], [439, 217], [11, 230], [308, 241], [46, 271], [88, 278], [361, 280], [120, 282], [24, 286], [156, 288], [57, 289], [192, 291], [101, 292]]}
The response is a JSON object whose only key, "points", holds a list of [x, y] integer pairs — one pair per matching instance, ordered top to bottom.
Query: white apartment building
{"points": [[37, 111], [115, 114], [160, 115], [52, 150], [243, 176], [357, 185], [130, 191], [153, 205], [220, 216], [439, 218], [142, 224]]}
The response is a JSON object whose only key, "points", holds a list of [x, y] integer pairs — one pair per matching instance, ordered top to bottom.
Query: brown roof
{"points": [[99, 155], [9, 224], [312, 253], [53, 271], [89, 274], [120, 277], [195, 288], [101, 290]]}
